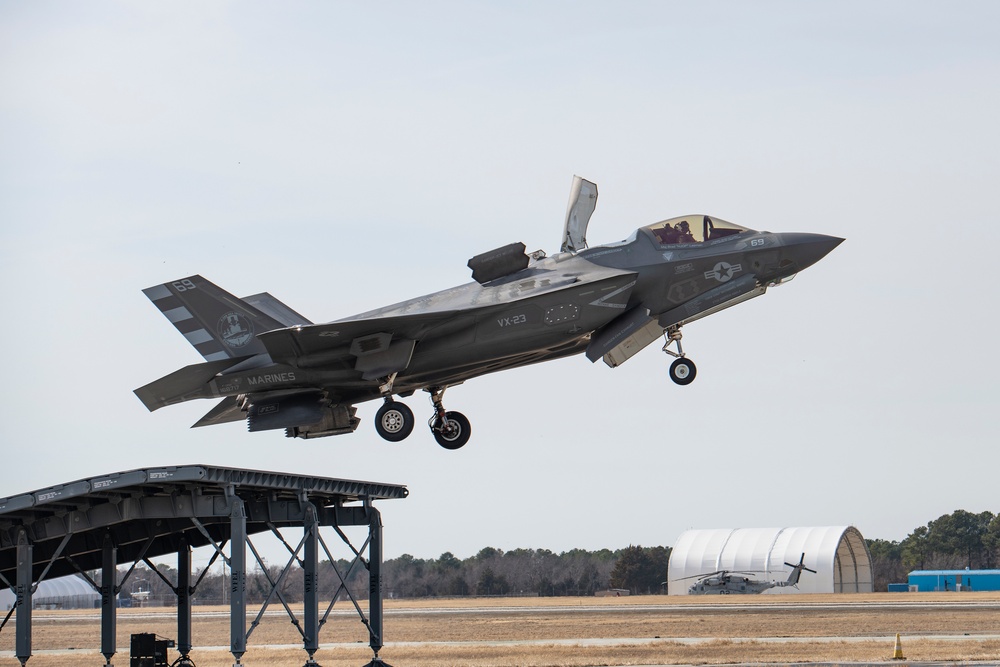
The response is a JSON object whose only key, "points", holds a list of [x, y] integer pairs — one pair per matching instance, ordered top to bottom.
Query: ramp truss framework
{"points": [[138, 515]]}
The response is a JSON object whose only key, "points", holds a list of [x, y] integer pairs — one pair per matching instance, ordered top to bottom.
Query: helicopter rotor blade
{"points": [[701, 576]]}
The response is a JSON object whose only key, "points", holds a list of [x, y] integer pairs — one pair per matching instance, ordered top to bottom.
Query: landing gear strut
{"points": [[683, 370], [394, 420], [450, 429]]}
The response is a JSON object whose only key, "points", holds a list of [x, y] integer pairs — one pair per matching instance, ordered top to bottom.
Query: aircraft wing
{"points": [[382, 341], [381, 345]]}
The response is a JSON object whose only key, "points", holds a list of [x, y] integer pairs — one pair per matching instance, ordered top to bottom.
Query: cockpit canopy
{"points": [[693, 229]]}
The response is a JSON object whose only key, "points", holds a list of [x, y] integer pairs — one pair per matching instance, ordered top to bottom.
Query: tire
{"points": [[682, 371], [394, 421], [457, 434]]}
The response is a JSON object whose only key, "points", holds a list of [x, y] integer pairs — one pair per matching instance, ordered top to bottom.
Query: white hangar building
{"points": [[839, 555], [70, 592]]}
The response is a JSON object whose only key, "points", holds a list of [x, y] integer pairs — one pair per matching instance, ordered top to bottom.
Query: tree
{"points": [[967, 536], [991, 543], [916, 549], [488, 553], [448, 562], [887, 563], [638, 570], [589, 581], [491, 584], [457, 586]]}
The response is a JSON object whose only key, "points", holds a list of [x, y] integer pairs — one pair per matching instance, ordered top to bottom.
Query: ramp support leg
{"points": [[310, 566], [237, 579], [375, 584], [109, 597], [23, 600], [184, 603]]}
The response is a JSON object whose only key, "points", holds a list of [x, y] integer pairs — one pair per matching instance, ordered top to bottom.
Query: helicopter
{"points": [[725, 582]]}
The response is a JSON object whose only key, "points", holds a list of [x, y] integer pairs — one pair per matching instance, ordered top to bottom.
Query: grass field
{"points": [[569, 632]]}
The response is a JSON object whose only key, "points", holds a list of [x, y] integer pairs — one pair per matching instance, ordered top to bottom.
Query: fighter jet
{"points": [[277, 370]]}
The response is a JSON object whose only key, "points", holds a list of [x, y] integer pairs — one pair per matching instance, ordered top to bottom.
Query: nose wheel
{"points": [[683, 370], [451, 429]]}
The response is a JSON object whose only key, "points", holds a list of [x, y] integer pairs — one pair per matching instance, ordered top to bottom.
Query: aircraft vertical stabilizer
{"points": [[268, 305], [218, 324]]}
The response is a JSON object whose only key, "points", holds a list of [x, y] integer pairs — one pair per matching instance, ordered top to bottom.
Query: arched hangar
{"points": [[838, 554], [69, 592]]}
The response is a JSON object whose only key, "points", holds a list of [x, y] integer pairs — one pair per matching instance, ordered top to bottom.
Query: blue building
{"points": [[954, 580]]}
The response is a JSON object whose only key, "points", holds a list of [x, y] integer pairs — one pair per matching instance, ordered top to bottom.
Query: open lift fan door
{"points": [[582, 202]]}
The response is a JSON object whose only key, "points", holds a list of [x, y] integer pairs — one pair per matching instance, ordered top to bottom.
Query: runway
{"points": [[777, 607], [648, 631]]}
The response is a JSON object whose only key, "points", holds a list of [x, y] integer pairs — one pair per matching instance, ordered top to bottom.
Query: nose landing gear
{"points": [[683, 370], [451, 429]]}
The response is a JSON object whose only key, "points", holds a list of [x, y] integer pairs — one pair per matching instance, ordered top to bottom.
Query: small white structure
{"points": [[839, 555], [71, 592]]}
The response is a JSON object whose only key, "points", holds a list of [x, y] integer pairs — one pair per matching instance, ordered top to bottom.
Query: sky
{"points": [[345, 156]]}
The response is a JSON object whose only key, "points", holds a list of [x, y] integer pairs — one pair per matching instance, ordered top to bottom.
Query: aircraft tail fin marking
{"points": [[216, 323]]}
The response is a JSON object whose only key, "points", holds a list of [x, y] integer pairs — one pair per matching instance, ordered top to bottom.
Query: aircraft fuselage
{"points": [[278, 370]]}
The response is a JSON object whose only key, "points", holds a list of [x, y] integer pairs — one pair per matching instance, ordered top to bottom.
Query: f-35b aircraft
{"points": [[276, 369]]}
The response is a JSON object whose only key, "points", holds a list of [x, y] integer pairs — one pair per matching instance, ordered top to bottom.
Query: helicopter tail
{"points": [[793, 578]]}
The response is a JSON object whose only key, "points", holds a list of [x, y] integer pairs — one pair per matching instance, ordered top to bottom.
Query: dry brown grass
{"points": [[555, 632]]}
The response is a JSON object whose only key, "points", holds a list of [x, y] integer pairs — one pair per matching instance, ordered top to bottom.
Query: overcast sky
{"points": [[344, 156]]}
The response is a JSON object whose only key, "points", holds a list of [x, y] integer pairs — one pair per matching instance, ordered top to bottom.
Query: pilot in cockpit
{"points": [[683, 233], [665, 234], [680, 234]]}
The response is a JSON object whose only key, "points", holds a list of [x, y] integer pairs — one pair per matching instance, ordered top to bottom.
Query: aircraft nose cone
{"points": [[804, 250]]}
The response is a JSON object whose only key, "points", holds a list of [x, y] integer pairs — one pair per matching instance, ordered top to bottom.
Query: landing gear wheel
{"points": [[682, 371], [394, 421], [454, 432]]}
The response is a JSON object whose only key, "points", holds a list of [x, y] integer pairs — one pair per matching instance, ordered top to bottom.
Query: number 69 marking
{"points": [[756, 242], [183, 285]]}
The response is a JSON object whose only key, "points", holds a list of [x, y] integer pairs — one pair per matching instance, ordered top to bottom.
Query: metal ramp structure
{"points": [[134, 516]]}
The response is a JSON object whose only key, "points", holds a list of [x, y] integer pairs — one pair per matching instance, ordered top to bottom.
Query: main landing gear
{"points": [[683, 370], [394, 420]]}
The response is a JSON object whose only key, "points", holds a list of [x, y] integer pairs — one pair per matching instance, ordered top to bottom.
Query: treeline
{"points": [[951, 542], [491, 572], [535, 572]]}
